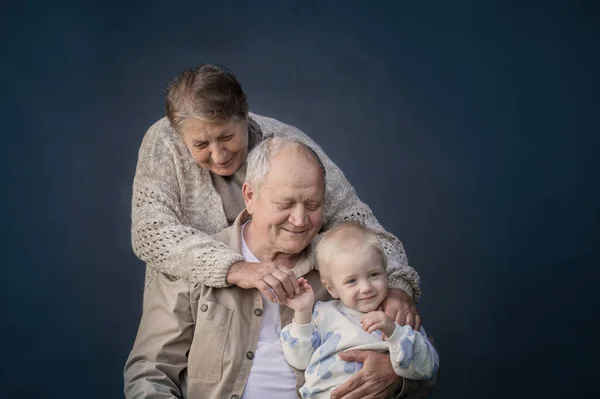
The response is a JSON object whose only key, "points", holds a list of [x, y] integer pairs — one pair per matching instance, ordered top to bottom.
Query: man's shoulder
{"points": [[223, 236], [166, 288]]}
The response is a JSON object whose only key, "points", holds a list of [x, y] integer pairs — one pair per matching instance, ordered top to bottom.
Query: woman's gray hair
{"points": [[210, 93], [259, 159]]}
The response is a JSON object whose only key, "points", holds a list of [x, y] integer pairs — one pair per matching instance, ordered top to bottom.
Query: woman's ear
{"points": [[248, 194], [331, 289]]}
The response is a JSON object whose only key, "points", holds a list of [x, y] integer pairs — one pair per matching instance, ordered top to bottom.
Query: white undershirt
{"points": [[270, 375]]}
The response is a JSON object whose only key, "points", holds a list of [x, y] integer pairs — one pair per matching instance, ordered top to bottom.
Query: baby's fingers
{"points": [[366, 324], [373, 327]]}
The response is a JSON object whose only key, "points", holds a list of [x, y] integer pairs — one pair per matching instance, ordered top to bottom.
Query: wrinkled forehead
{"points": [[192, 127], [294, 164], [300, 189]]}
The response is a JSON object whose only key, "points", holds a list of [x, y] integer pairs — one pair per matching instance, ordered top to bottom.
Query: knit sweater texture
{"points": [[175, 209]]}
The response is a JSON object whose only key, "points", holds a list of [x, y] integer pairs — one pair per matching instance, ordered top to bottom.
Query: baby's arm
{"points": [[300, 338], [412, 355]]}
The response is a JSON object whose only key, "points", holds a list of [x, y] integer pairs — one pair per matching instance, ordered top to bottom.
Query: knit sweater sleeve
{"points": [[342, 205], [158, 236]]}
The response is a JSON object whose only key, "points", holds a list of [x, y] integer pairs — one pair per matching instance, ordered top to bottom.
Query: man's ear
{"points": [[249, 195], [330, 288]]}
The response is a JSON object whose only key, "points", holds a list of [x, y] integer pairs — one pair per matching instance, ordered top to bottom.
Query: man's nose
{"points": [[298, 215]]}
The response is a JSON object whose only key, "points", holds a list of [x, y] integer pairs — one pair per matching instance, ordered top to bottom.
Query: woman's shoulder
{"points": [[273, 127], [161, 129], [161, 137]]}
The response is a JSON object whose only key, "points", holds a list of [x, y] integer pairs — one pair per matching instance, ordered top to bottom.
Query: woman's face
{"points": [[220, 147]]}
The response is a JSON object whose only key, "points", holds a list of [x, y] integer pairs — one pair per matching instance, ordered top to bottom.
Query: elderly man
{"points": [[196, 341]]}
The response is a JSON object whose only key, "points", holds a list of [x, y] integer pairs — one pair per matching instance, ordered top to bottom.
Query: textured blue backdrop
{"points": [[471, 128]]}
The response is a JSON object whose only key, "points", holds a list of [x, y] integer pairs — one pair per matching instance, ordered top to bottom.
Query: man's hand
{"points": [[277, 282], [399, 307], [377, 320], [376, 380]]}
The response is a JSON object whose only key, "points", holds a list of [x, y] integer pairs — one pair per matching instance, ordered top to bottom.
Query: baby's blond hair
{"points": [[346, 237]]}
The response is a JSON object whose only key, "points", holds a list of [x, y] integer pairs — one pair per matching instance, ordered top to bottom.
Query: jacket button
{"points": [[204, 307], [258, 311], [250, 355]]}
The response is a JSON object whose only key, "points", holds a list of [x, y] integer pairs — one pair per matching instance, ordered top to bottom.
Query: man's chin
{"points": [[295, 247]]}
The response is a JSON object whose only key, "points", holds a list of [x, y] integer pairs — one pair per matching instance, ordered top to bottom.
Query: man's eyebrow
{"points": [[282, 197], [316, 200]]}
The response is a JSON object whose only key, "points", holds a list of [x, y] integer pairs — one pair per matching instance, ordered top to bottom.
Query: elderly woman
{"points": [[187, 186]]}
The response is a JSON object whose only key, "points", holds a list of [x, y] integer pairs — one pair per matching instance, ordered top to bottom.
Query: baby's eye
{"points": [[373, 275], [351, 281]]}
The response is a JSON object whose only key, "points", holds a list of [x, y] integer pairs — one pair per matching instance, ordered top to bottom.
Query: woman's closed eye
{"points": [[226, 138]]}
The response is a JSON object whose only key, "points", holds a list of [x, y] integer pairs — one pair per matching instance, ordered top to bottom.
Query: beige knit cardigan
{"points": [[175, 208]]}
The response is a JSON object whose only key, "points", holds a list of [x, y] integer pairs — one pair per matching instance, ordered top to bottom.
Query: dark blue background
{"points": [[471, 128]]}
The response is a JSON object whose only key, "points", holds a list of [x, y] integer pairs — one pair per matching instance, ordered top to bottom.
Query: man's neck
{"points": [[260, 247]]}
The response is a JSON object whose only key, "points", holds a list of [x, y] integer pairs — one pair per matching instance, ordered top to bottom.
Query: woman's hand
{"points": [[277, 282], [399, 307], [377, 320], [376, 380]]}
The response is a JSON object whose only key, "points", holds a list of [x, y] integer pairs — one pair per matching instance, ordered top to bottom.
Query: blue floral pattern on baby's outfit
{"points": [[315, 339], [289, 340], [407, 344], [325, 352], [306, 393]]}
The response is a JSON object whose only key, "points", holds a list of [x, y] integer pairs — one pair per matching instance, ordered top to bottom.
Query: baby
{"points": [[352, 267]]}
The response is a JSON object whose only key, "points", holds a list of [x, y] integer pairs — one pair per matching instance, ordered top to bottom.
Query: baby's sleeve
{"points": [[299, 342], [412, 354]]}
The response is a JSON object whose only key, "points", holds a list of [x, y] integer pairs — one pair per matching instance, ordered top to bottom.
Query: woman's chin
{"points": [[226, 170]]}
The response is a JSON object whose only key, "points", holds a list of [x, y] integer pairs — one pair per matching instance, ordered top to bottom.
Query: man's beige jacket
{"points": [[199, 342]]}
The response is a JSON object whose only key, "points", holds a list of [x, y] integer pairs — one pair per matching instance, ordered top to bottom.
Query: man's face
{"points": [[287, 211]]}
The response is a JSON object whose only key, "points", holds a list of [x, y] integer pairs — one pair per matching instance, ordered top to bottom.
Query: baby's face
{"points": [[358, 279]]}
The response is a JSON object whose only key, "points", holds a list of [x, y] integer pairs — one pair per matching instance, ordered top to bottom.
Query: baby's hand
{"points": [[304, 301], [377, 320]]}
